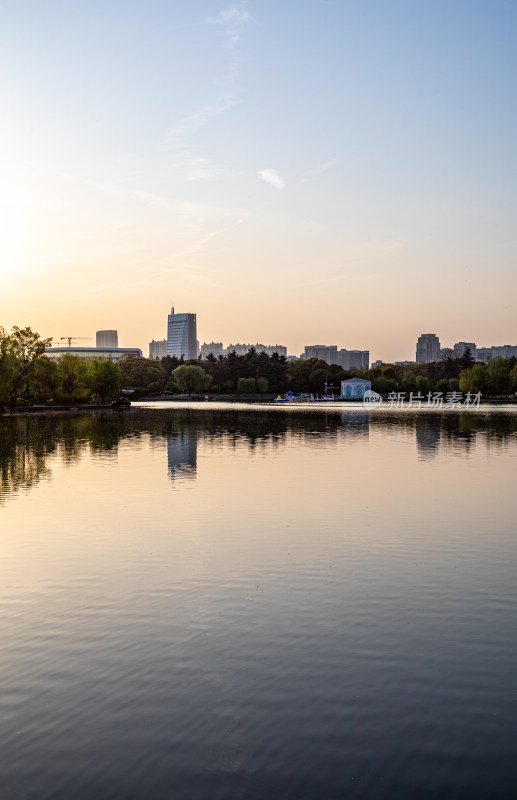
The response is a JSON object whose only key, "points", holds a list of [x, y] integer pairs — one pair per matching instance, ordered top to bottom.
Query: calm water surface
{"points": [[249, 603]]}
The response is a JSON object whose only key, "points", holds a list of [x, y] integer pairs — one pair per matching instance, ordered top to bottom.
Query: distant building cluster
{"points": [[181, 341], [217, 349], [269, 349], [428, 349], [498, 351], [347, 359]]}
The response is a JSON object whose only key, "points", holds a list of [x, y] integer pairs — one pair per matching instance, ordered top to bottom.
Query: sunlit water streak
{"points": [[252, 603]]}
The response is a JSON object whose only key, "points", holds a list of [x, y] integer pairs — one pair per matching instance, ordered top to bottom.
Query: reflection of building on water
{"points": [[355, 423], [427, 440], [182, 454]]}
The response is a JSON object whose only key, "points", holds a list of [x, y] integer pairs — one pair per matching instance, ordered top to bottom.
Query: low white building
{"points": [[94, 353], [354, 388]]}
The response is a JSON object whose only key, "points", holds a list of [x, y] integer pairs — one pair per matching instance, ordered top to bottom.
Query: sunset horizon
{"points": [[343, 175]]}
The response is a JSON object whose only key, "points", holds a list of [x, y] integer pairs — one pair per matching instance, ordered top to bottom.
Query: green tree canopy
{"points": [[19, 352], [71, 372], [191, 378], [104, 379]]}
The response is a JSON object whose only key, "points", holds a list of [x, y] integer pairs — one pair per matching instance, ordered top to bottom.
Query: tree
{"points": [[19, 352], [467, 359], [169, 364], [7, 367], [143, 371], [71, 372], [298, 373], [46, 376], [498, 376], [190, 378], [513, 378], [104, 379], [318, 379], [475, 379], [409, 381], [423, 384], [246, 385], [262, 385], [384, 385]]}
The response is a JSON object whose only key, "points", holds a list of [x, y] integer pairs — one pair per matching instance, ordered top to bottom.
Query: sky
{"points": [[328, 172]]}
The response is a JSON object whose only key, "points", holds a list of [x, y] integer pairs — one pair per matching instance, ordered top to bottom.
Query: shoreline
{"points": [[213, 401]]}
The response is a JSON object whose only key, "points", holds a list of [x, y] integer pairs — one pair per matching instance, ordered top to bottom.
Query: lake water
{"points": [[240, 602]]}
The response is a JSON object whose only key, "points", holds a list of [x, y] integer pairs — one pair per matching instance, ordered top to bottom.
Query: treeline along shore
{"points": [[28, 376]]}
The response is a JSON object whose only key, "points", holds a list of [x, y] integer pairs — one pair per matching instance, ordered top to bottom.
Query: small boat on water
{"points": [[291, 397], [121, 402]]}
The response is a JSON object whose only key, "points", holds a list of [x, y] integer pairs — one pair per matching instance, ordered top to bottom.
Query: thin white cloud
{"points": [[232, 19], [198, 119], [187, 163], [319, 169], [272, 177], [197, 246], [168, 265]]}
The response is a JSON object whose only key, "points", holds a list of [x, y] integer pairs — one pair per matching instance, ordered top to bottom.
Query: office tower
{"points": [[182, 335], [106, 339], [427, 348], [460, 348], [157, 349]]}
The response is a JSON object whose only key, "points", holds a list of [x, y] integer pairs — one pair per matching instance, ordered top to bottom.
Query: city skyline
{"points": [[319, 167], [183, 326]]}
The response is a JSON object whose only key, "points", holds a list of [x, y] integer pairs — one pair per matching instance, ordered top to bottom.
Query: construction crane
{"points": [[71, 339]]}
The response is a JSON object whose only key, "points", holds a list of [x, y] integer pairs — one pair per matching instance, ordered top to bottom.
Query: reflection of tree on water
{"points": [[450, 430], [428, 439], [28, 442], [182, 454], [23, 457]]}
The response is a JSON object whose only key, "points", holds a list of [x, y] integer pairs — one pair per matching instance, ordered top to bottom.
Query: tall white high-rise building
{"points": [[182, 335], [106, 339], [427, 348], [158, 349]]}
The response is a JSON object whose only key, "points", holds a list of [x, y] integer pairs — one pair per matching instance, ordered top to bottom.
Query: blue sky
{"points": [[331, 172]]}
